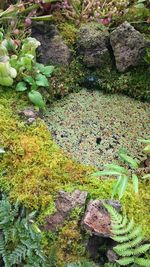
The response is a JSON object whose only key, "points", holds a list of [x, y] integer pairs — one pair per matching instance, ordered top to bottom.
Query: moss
{"points": [[68, 32], [66, 79], [134, 83], [34, 169]]}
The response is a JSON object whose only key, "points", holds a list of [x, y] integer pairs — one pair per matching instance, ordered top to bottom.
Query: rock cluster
{"points": [[127, 44], [95, 45]]}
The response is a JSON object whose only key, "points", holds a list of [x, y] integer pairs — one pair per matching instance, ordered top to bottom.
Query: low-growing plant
{"points": [[87, 10], [19, 69], [123, 174], [20, 238], [131, 247], [82, 264]]}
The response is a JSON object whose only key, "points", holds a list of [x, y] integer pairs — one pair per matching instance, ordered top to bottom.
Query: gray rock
{"points": [[93, 43], [129, 46], [53, 49], [64, 204], [97, 220], [111, 255]]}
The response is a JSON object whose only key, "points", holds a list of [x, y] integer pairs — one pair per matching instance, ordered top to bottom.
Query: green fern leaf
{"points": [[124, 230], [120, 239], [128, 245], [141, 249], [126, 261], [142, 262]]}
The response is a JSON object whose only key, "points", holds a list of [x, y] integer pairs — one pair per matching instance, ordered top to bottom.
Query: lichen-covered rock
{"points": [[93, 43], [129, 46], [53, 49], [64, 204], [97, 220]]}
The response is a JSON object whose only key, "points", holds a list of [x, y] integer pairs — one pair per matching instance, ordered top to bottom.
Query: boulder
{"points": [[93, 43], [129, 46], [53, 49], [65, 203], [97, 220]]}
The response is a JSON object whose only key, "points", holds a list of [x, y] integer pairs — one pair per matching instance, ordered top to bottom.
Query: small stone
{"points": [[129, 46], [28, 112], [147, 162], [64, 204], [97, 220], [111, 255]]}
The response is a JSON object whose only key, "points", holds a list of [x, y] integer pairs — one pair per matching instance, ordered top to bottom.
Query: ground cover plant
{"points": [[34, 169]]}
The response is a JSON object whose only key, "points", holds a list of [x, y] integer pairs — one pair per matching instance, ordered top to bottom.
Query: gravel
{"points": [[92, 126]]}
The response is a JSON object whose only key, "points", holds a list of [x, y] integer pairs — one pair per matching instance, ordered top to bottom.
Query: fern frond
{"points": [[115, 216], [122, 230], [125, 238], [130, 244], [17, 255], [143, 262]]}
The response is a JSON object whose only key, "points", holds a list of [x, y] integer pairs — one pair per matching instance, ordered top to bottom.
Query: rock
{"points": [[93, 43], [129, 46], [53, 49], [29, 114], [147, 162], [64, 204], [97, 219], [111, 255]]}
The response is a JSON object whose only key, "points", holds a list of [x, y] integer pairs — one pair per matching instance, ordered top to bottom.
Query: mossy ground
{"points": [[34, 169]]}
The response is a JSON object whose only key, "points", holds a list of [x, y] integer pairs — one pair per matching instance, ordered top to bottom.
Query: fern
{"points": [[130, 239], [20, 240]]}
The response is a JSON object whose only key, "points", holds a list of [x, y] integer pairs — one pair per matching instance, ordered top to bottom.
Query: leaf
{"points": [[46, 70], [29, 80], [41, 80], [21, 86], [37, 99], [2, 151], [133, 163], [117, 168], [103, 173], [146, 176], [135, 182], [123, 186], [114, 191], [126, 261]]}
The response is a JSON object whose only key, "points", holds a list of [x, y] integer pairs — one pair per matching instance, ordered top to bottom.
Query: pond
{"points": [[91, 126]]}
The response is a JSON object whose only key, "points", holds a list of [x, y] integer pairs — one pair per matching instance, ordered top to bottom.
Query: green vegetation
{"points": [[33, 169], [122, 174], [130, 248]]}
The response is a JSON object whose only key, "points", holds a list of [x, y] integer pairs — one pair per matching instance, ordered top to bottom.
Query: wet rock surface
{"points": [[93, 43], [129, 46], [53, 49], [91, 126], [64, 204], [97, 220]]}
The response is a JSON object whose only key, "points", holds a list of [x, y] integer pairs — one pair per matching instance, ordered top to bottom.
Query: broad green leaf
{"points": [[48, 70], [29, 80], [41, 80], [21, 86], [34, 86], [37, 99], [2, 151], [132, 162], [117, 168], [105, 173], [146, 176], [135, 182], [116, 186], [122, 186]]}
